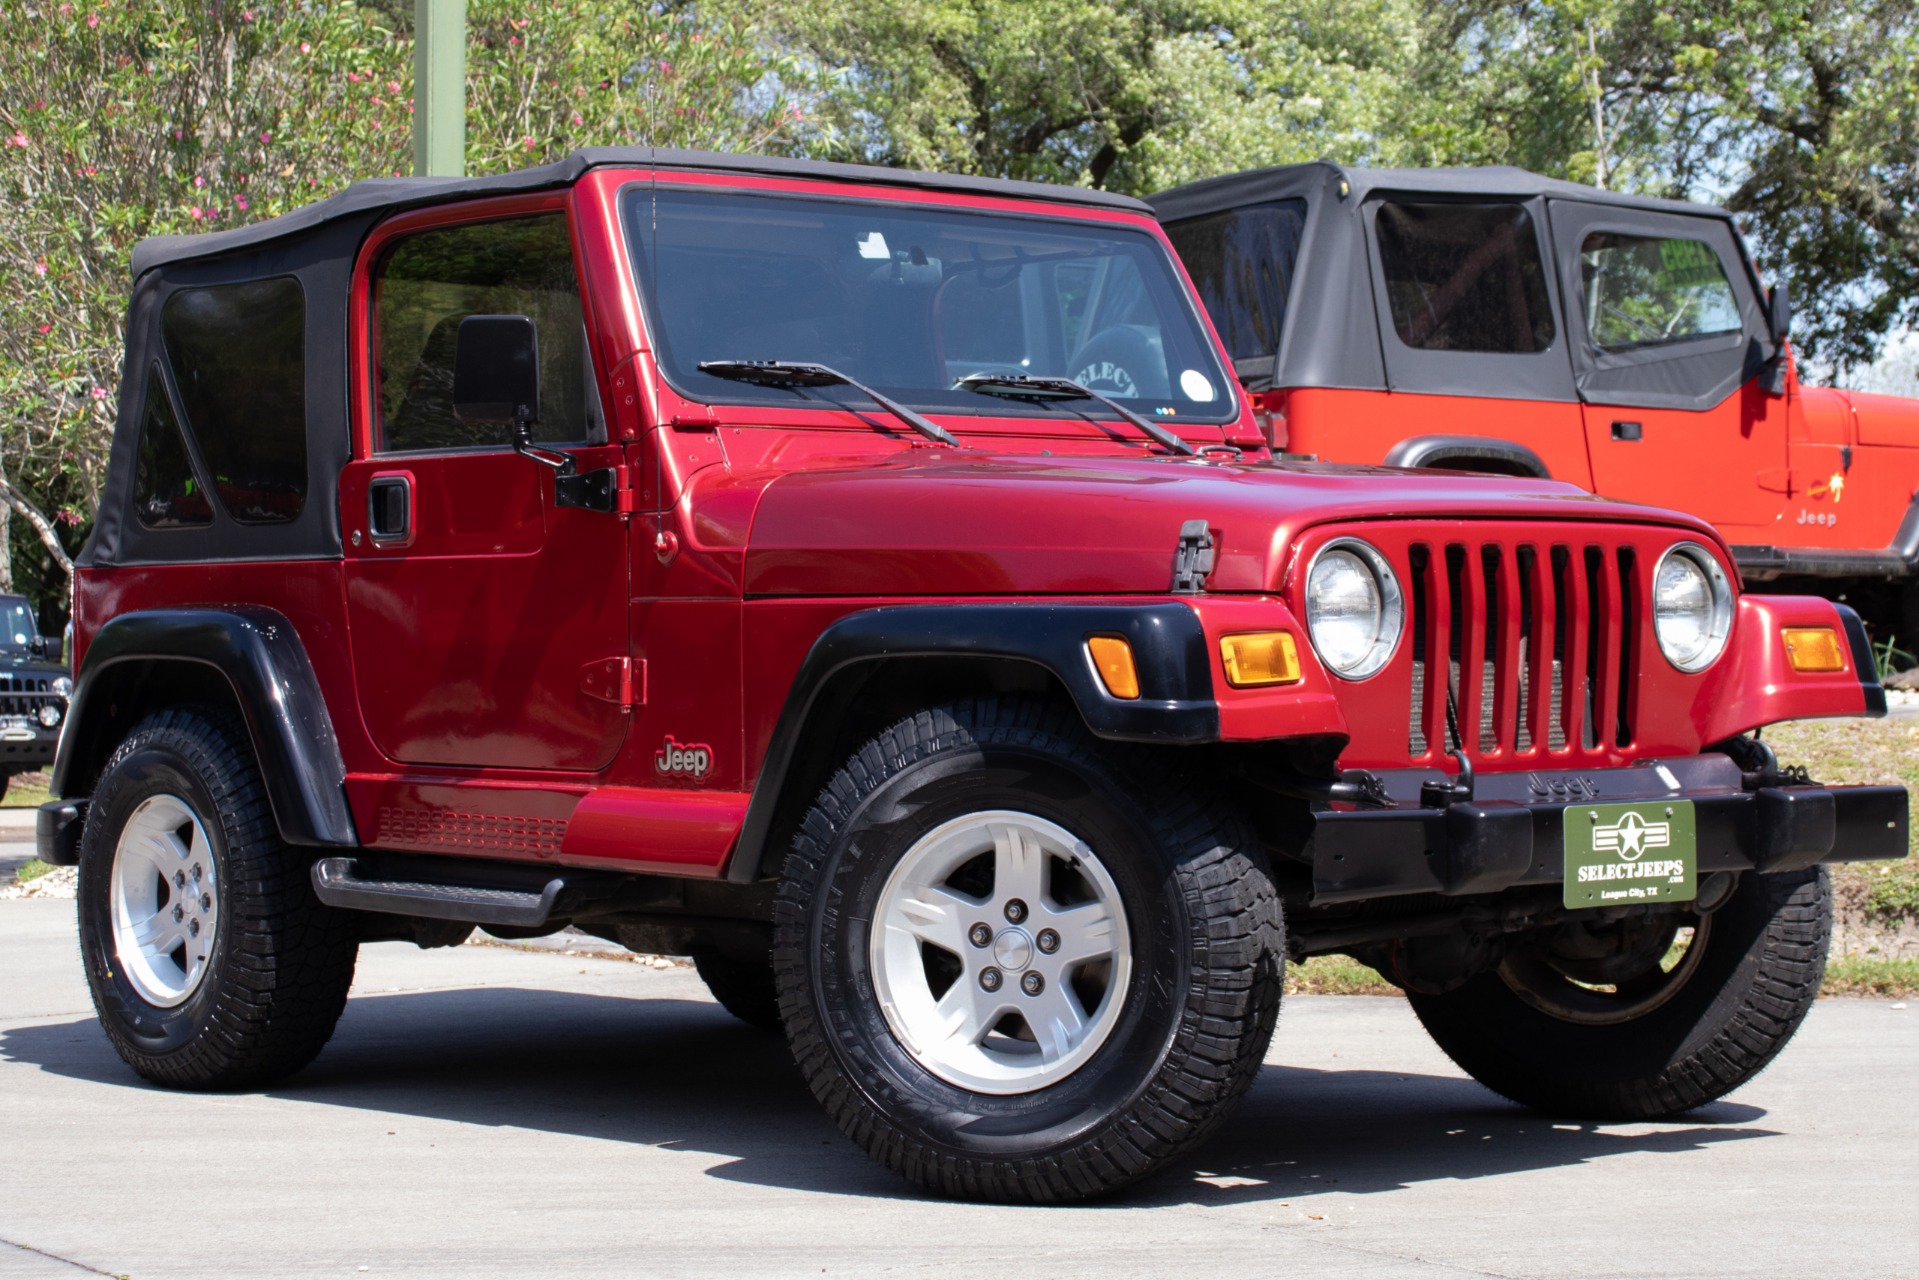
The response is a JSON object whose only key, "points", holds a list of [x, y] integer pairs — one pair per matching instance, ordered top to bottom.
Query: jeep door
{"points": [[1669, 339], [481, 612]]}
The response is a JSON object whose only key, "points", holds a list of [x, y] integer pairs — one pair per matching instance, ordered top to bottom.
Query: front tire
{"points": [[211, 963], [1018, 964], [1657, 1041]]}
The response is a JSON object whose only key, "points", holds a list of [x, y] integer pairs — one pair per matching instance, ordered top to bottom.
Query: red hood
{"points": [[944, 523]]}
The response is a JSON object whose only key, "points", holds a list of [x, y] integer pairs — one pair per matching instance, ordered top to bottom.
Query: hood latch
{"points": [[1192, 558]]}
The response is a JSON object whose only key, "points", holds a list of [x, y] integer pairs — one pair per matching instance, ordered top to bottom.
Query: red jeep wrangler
{"points": [[1493, 320], [741, 558]]}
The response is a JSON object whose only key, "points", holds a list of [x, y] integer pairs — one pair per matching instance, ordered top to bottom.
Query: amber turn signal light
{"points": [[1814, 649], [1260, 657], [1113, 658]]}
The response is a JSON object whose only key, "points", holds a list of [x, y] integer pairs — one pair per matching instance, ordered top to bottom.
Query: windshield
{"points": [[911, 300], [19, 627]]}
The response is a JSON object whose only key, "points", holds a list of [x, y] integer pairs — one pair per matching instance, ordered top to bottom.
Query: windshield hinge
{"points": [[1192, 558]]}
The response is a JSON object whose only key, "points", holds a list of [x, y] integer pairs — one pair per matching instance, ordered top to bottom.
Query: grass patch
{"points": [[26, 791], [32, 870], [1335, 976], [1864, 976]]}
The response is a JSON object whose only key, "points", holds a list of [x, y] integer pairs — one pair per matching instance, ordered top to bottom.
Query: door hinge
{"points": [[602, 490], [1192, 558], [620, 681]]}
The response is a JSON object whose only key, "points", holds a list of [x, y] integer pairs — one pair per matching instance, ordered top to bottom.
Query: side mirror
{"points": [[1779, 312], [496, 370], [37, 646]]}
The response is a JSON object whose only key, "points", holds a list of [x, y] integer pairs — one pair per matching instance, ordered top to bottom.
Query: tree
{"points": [[125, 119]]}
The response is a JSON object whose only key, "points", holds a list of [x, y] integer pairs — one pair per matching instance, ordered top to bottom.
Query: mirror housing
{"points": [[1779, 311], [496, 370]]}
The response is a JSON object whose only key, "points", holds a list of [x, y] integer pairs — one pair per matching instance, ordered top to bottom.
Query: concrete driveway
{"points": [[485, 1112]]}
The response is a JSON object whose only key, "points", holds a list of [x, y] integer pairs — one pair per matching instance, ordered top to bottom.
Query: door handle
{"points": [[1627, 431], [389, 508]]}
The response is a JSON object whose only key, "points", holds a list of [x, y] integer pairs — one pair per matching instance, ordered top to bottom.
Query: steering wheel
{"points": [[1124, 362]]}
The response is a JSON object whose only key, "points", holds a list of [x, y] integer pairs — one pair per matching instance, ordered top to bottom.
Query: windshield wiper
{"points": [[794, 373], [1020, 386]]}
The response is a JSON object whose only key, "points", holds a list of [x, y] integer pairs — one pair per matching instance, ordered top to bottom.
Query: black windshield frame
{"points": [[1176, 309]]}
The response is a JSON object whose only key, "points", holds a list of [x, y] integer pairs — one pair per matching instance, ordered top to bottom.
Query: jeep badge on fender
{"points": [[1039, 712]]}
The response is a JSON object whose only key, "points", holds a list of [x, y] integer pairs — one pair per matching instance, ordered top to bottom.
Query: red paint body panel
{"points": [[1342, 425], [1754, 684], [632, 829]]}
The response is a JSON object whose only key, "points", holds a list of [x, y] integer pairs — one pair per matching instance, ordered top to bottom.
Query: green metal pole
{"points": [[439, 88]]}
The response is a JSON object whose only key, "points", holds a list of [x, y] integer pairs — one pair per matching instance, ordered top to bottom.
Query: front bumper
{"points": [[24, 746], [1509, 833]]}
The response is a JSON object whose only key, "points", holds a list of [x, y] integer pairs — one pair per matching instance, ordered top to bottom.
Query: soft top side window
{"points": [[1242, 263], [1464, 276], [428, 282], [1643, 290], [238, 354], [166, 492]]}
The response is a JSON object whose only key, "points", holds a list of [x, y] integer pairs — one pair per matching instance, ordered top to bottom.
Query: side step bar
{"points": [[336, 881]]}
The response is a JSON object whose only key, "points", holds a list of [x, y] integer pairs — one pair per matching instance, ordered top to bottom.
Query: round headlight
{"points": [[1691, 606], [1354, 608], [62, 686], [49, 714]]}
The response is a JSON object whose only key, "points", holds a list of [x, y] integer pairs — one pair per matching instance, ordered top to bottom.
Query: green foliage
{"points": [[125, 119], [31, 869], [1893, 892], [1870, 976]]}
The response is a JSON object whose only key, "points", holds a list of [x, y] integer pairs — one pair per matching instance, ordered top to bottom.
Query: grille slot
{"points": [[1536, 644], [23, 695]]}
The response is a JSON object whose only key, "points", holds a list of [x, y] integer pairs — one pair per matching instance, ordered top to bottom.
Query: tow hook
{"points": [[1440, 792]]}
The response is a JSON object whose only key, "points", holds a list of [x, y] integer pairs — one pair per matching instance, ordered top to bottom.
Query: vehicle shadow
{"points": [[685, 1075]]}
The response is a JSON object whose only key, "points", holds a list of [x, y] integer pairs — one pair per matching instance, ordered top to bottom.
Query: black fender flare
{"points": [[1433, 451], [262, 659], [1176, 705]]}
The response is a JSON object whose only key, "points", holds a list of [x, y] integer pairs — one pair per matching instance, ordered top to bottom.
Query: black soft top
{"points": [[1236, 190], [381, 195]]}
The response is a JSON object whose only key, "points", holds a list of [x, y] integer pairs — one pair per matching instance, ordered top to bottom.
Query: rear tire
{"points": [[211, 963], [744, 988], [1155, 994], [1658, 1052]]}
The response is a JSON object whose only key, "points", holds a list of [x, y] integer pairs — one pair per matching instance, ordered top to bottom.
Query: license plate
{"points": [[1620, 854]]}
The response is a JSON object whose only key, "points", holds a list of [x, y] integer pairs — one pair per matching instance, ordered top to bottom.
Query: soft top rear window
{"points": [[909, 299]]}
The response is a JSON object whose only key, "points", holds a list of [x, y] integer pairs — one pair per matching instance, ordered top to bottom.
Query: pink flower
{"points": [[65, 9], [246, 15], [93, 19], [519, 24], [513, 39], [305, 47], [666, 68], [353, 76], [393, 86], [579, 91], [378, 101], [578, 118], [266, 137], [17, 140], [527, 142], [90, 170], [199, 181], [241, 203], [197, 212], [39, 268], [45, 329], [98, 393]]}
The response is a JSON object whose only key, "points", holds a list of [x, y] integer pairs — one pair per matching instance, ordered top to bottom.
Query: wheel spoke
{"points": [[1019, 866], [937, 915], [1086, 932], [157, 935], [965, 1013], [1056, 1020]]}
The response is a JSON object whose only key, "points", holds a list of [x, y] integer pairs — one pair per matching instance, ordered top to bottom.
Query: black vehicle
{"points": [[34, 688]]}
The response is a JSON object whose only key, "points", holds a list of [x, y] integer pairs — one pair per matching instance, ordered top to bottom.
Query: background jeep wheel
{"points": [[211, 963], [1016, 963], [744, 988], [1659, 1040]]}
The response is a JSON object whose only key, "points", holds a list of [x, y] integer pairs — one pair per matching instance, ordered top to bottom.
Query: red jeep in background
{"points": [[1494, 320], [874, 585]]}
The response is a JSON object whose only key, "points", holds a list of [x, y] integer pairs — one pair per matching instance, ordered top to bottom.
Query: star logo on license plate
{"points": [[1631, 836]]}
